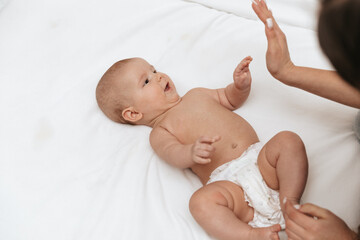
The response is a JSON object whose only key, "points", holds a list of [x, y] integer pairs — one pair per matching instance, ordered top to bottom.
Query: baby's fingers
{"points": [[248, 58], [244, 63], [240, 71], [216, 138], [209, 140], [207, 147], [203, 150], [203, 154], [201, 160]]}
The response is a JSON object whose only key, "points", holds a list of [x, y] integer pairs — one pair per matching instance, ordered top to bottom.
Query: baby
{"points": [[245, 182]]}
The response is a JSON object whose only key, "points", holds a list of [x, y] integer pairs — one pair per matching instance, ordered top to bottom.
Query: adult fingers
{"points": [[263, 4], [260, 11], [266, 17], [272, 29], [271, 34], [314, 210], [298, 217], [294, 231], [291, 235]]}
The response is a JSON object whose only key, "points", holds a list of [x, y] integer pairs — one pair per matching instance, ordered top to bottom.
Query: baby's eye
{"points": [[155, 71], [146, 81]]}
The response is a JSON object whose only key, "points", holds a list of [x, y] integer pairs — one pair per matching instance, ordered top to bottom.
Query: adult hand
{"points": [[278, 59], [313, 222]]}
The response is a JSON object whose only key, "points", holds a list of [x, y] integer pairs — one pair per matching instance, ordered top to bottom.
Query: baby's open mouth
{"points": [[167, 87]]}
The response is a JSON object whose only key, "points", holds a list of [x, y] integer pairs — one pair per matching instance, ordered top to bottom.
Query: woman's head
{"points": [[339, 36]]}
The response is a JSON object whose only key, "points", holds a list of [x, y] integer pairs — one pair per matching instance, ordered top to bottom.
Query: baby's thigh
{"points": [[267, 170], [223, 194]]}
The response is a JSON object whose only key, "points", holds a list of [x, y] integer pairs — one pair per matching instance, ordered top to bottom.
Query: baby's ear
{"points": [[131, 115]]}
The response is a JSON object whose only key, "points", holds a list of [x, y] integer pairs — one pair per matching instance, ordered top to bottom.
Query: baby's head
{"points": [[132, 91]]}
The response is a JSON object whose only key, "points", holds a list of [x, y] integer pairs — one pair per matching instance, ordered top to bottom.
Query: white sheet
{"points": [[3, 4], [300, 13], [67, 172]]}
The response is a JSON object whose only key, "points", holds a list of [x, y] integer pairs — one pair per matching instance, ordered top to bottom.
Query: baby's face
{"points": [[151, 92]]}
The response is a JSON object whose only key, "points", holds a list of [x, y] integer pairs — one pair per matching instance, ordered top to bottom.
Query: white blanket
{"points": [[2, 4], [300, 13], [67, 172]]}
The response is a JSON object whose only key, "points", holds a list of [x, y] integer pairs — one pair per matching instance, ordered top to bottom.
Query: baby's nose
{"points": [[159, 77]]}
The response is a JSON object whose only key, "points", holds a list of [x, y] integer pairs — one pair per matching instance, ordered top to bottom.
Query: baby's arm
{"points": [[236, 93], [170, 149]]}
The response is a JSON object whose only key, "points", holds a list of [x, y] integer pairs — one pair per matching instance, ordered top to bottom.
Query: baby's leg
{"points": [[283, 165], [220, 208]]}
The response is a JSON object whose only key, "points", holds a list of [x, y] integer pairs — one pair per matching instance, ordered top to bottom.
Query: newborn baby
{"points": [[245, 181]]}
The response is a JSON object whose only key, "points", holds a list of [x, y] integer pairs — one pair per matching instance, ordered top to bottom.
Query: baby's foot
{"points": [[242, 76], [293, 201], [265, 233]]}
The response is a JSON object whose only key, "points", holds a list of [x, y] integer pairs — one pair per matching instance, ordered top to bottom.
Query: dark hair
{"points": [[339, 36]]}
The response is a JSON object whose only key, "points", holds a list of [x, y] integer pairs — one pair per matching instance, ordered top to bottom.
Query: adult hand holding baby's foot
{"points": [[242, 76], [202, 149], [309, 221]]}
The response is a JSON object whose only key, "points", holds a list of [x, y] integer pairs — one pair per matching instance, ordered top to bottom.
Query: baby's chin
{"points": [[177, 100]]}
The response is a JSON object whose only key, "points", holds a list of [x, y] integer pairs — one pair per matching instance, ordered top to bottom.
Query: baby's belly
{"points": [[210, 119], [225, 152]]}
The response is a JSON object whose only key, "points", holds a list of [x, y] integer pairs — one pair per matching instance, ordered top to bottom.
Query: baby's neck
{"points": [[153, 122]]}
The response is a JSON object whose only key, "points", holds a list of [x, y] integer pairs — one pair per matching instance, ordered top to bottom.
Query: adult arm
{"points": [[324, 83]]}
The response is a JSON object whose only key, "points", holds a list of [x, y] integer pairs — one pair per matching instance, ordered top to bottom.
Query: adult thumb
{"points": [[314, 210]]}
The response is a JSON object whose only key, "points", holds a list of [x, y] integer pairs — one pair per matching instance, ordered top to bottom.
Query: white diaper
{"points": [[244, 172]]}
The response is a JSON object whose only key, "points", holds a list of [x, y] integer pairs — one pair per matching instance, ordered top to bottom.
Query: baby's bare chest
{"points": [[201, 115]]}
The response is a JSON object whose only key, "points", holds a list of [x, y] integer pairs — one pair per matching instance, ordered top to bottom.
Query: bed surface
{"points": [[67, 172]]}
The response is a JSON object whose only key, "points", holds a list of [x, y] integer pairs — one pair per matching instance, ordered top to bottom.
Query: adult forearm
{"points": [[324, 83]]}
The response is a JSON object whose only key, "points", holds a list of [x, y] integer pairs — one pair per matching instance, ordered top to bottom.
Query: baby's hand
{"points": [[242, 76], [202, 149]]}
